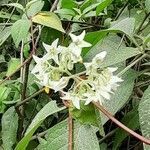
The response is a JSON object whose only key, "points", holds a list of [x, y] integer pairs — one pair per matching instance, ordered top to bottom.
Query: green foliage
{"points": [[121, 28], [19, 30], [49, 109], [144, 117], [9, 128], [57, 137]]}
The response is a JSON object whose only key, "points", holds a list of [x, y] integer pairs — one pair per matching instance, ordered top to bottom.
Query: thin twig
{"points": [[54, 6], [121, 11], [85, 23], [140, 26], [132, 64], [8, 77], [29, 98], [119, 124], [70, 133]]}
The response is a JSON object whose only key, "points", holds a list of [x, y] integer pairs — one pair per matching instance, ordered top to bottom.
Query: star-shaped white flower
{"points": [[79, 40], [52, 51], [41, 65]]}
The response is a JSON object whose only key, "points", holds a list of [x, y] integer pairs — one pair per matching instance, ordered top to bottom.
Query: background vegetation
{"points": [[33, 119]]}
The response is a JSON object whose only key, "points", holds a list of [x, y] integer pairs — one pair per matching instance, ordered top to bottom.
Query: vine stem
{"points": [[132, 64], [119, 124], [70, 133]]}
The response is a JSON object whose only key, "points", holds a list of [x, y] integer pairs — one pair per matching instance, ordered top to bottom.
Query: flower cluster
{"points": [[53, 71]]}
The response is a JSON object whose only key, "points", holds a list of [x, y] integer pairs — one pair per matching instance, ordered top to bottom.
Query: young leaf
{"points": [[69, 4], [102, 6], [34, 7], [48, 19], [19, 30], [4, 34], [12, 66], [49, 109], [144, 115], [9, 128], [57, 137]]}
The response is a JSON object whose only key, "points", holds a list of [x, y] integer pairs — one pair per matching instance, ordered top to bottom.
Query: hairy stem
{"points": [[119, 124]]}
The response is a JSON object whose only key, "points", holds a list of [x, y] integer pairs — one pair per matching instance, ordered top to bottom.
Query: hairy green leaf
{"points": [[147, 4], [111, 45], [49, 109], [144, 115], [9, 128], [57, 137]]}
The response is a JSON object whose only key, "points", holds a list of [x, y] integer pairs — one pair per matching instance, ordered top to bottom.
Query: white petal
{"points": [[81, 36], [73, 37], [55, 43], [85, 44], [47, 47], [101, 55], [36, 59], [35, 69], [111, 69], [61, 84], [105, 95], [76, 102]]}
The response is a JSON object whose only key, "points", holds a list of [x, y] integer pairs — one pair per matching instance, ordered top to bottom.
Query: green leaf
{"points": [[69, 4], [147, 4], [17, 5], [102, 6], [34, 7], [89, 8], [48, 19], [126, 26], [20, 30], [4, 34], [93, 38], [111, 45], [12, 66], [49, 109], [85, 115], [144, 115], [131, 120], [9, 128], [57, 137]]}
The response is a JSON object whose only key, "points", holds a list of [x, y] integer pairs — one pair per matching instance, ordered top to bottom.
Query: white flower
{"points": [[79, 40], [52, 51], [98, 59], [41, 65], [59, 85], [72, 97]]}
